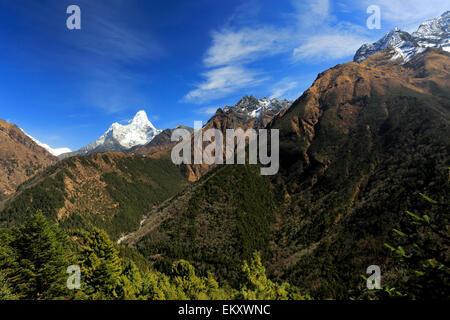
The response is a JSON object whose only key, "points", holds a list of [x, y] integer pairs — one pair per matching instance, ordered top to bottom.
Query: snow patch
{"points": [[434, 33], [54, 151]]}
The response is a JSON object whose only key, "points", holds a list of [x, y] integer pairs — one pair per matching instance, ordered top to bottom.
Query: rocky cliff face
{"points": [[256, 113], [161, 144]]}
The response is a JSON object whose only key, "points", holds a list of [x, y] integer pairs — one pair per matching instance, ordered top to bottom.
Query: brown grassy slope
{"points": [[20, 158]]}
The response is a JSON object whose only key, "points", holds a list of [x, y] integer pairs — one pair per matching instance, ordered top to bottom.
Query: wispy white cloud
{"points": [[245, 13], [311, 13], [311, 33], [323, 37], [245, 45], [330, 45], [101, 52], [230, 53], [221, 81], [283, 88], [209, 111]]}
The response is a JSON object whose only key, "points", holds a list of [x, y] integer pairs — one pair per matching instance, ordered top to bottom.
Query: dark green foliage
{"points": [[133, 184], [47, 196], [216, 225], [39, 255], [423, 257], [34, 258], [100, 266], [258, 287], [5, 289]]}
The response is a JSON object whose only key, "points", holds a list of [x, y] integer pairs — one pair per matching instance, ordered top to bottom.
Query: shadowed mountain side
{"points": [[355, 150]]}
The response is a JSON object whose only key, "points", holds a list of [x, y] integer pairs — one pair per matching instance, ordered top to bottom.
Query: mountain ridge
{"points": [[433, 33], [54, 151], [20, 158]]}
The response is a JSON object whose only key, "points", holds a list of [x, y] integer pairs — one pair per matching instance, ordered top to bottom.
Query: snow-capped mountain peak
{"points": [[435, 28], [432, 33], [253, 107], [257, 111], [140, 120], [138, 131], [54, 151]]}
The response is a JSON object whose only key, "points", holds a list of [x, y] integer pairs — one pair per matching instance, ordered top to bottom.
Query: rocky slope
{"points": [[249, 112], [252, 112], [54, 151], [355, 151], [20, 158]]}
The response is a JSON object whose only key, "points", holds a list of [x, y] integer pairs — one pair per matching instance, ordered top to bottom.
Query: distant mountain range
{"points": [[434, 33], [138, 135], [355, 150]]}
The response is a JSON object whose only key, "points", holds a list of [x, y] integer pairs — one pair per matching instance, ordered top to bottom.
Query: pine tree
{"points": [[6, 252], [424, 253], [41, 255], [100, 266], [130, 285], [158, 286], [196, 287], [258, 287], [5, 289]]}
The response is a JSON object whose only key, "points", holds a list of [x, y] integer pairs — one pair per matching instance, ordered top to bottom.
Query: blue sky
{"points": [[177, 60]]}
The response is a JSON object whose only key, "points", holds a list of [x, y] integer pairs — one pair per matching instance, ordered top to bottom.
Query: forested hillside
{"points": [[112, 191], [35, 257]]}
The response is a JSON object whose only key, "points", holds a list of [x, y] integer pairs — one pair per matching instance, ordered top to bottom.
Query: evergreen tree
{"points": [[6, 252], [424, 253], [41, 257], [100, 266], [130, 284], [157, 286], [195, 287], [258, 287], [5, 289]]}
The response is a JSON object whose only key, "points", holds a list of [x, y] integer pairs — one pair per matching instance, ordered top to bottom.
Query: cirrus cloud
{"points": [[310, 33], [221, 81]]}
